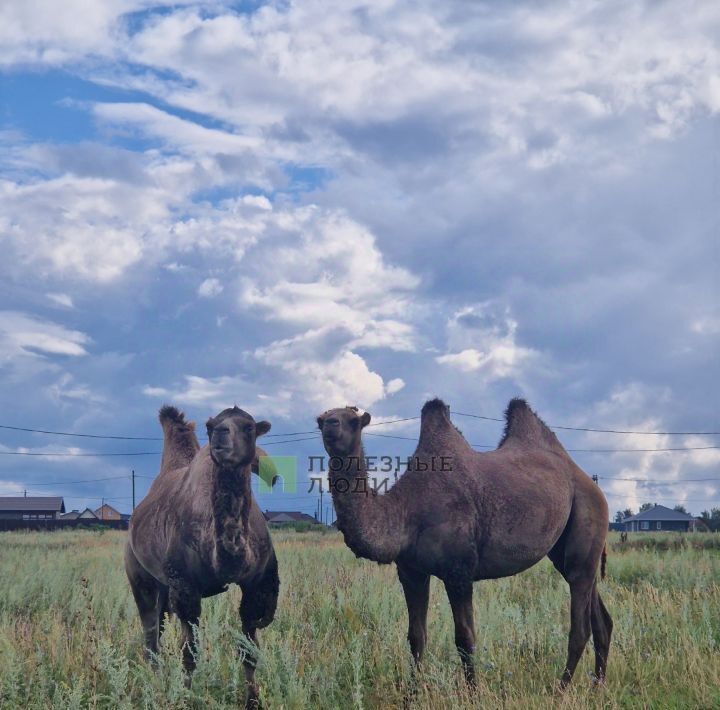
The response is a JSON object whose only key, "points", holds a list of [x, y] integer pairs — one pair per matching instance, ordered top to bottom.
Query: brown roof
{"points": [[50, 504], [107, 506]]}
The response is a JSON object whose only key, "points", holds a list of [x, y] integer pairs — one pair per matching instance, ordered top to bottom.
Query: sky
{"points": [[292, 206]]}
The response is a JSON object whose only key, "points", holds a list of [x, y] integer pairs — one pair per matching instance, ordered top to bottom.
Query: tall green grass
{"points": [[70, 637]]}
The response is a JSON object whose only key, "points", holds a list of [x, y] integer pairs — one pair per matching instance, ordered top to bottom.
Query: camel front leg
{"points": [[416, 586], [460, 594], [149, 595], [186, 603], [257, 610]]}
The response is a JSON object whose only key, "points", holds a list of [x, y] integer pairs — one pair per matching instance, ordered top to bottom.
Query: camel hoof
{"points": [[598, 681], [561, 685]]}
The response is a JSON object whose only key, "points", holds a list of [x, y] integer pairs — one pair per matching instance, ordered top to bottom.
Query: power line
{"points": [[373, 424], [601, 431], [87, 436], [679, 449], [593, 451], [71, 455], [72, 483], [659, 483]]}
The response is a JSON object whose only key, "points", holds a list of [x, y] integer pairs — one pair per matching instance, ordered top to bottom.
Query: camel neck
{"points": [[232, 498], [373, 526]]}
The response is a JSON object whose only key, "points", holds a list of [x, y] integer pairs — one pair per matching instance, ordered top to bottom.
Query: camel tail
{"points": [[603, 561]]}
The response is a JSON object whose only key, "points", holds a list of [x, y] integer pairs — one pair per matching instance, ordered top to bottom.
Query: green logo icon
{"points": [[280, 471]]}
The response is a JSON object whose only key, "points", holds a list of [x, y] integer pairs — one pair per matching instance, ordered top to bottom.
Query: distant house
{"points": [[31, 507], [107, 512], [86, 514], [278, 517], [659, 518]]}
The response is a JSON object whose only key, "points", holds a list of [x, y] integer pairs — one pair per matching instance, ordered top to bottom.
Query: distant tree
{"points": [[646, 506], [681, 509], [627, 513], [619, 516], [711, 518], [715, 519]]}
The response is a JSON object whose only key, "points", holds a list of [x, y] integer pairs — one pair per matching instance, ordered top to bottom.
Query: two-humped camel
{"points": [[491, 515], [199, 529]]}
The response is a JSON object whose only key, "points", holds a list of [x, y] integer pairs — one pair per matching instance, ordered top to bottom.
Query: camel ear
{"points": [[365, 419], [320, 422], [262, 428]]}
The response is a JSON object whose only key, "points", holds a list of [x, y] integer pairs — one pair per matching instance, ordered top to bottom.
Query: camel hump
{"points": [[434, 405], [171, 415], [435, 422], [522, 425], [180, 442]]}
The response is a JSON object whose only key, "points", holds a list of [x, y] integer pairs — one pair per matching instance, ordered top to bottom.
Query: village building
{"points": [[31, 507]]}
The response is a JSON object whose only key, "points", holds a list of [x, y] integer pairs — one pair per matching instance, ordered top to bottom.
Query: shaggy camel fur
{"points": [[491, 515], [199, 529]]}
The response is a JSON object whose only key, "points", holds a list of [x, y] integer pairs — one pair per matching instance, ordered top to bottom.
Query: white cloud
{"points": [[81, 226], [321, 269], [209, 288], [61, 299], [706, 325], [22, 335], [493, 351], [317, 368], [394, 385], [65, 389], [213, 394], [630, 407]]}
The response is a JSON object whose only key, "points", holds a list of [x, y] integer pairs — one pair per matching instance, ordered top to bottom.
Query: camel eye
{"points": [[248, 428]]}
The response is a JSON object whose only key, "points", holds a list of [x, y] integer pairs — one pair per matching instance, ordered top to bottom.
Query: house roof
{"points": [[50, 504], [106, 506], [659, 512], [75, 514], [285, 516]]}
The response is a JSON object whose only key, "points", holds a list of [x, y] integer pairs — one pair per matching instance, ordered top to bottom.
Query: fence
{"points": [[48, 525]]}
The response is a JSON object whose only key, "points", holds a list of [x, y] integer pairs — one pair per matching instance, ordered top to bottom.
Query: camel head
{"points": [[341, 430], [232, 435]]}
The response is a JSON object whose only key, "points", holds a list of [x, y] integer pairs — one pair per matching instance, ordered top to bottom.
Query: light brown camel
{"points": [[462, 516], [199, 529]]}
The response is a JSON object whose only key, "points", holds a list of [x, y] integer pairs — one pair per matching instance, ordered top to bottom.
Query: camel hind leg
{"points": [[576, 556], [460, 594], [151, 601], [602, 627]]}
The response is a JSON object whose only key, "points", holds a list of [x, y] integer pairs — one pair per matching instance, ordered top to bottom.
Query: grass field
{"points": [[70, 637]]}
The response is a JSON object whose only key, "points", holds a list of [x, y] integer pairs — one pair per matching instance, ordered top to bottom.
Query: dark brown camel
{"points": [[462, 516], [199, 529]]}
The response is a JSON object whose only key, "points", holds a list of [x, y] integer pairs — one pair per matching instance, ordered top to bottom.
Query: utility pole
{"points": [[133, 489], [321, 504], [102, 509], [327, 515]]}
